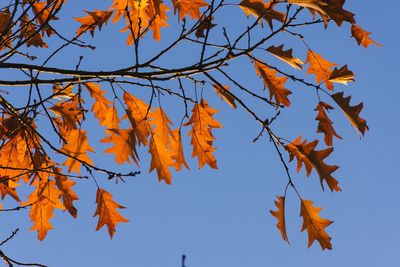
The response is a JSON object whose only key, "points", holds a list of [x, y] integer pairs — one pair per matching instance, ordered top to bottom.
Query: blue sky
{"points": [[221, 218]]}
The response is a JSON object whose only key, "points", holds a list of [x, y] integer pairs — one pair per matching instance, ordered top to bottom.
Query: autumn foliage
{"points": [[45, 142]]}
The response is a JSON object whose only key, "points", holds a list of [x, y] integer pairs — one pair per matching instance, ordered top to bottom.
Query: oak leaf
{"points": [[188, 7], [259, 9], [327, 9], [94, 19], [205, 25], [30, 33], [362, 36], [286, 56], [320, 67], [342, 75], [275, 84], [224, 93], [70, 111], [137, 111], [352, 112], [202, 123], [325, 124], [76, 148], [124, 148], [177, 150], [306, 154], [161, 158], [7, 187], [67, 195], [44, 200], [107, 211], [280, 216], [315, 225]]}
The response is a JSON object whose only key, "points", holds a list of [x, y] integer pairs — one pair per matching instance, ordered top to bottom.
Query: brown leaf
{"points": [[188, 7], [258, 9], [327, 9], [205, 24], [362, 36], [286, 56], [320, 67], [342, 75], [275, 84], [224, 93], [352, 112], [325, 125], [306, 154], [107, 211], [280, 216], [315, 225]]}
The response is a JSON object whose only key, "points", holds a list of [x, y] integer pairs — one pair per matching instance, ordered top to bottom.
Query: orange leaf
{"points": [[188, 7], [258, 9], [94, 19], [30, 33], [362, 37], [286, 56], [320, 67], [342, 75], [275, 84], [224, 93], [101, 108], [137, 110], [70, 112], [352, 112], [202, 123], [325, 124], [161, 125], [76, 147], [124, 148], [177, 150], [305, 153], [161, 158], [7, 187], [67, 194], [44, 200], [107, 211], [280, 216], [315, 225]]}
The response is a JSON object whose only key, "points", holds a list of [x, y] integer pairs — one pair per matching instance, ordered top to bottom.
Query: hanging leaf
{"points": [[362, 36], [342, 75], [352, 112], [325, 125], [107, 211], [280, 216], [315, 225]]}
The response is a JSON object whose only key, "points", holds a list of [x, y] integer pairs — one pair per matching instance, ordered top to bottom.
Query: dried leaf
{"points": [[188, 7], [259, 9], [94, 19], [205, 24], [362, 36], [286, 56], [320, 67], [342, 75], [275, 84], [224, 93], [352, 112], [202, 123], [325, 125], [76, 148], [124, 148], [177, 150], [306, 154], [67, 194], [107, 211], [280, 216], [315, 225]]}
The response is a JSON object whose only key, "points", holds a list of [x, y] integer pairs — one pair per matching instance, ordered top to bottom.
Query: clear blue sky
{"points": [[221, 218]]}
